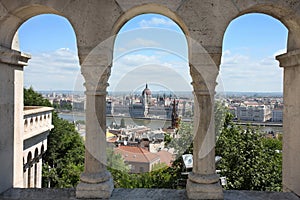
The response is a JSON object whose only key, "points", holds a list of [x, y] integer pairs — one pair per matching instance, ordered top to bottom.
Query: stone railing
{"points": [[37, 120]]}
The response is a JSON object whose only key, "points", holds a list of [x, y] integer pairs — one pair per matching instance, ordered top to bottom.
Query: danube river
{"points": [[154, 124]]}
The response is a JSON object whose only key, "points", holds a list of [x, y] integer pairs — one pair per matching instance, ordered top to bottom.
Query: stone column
{"points": [[11, 117], [291, 121], [39, 173], [31, 175], [25, 179], [96, 181], [203, 182]]}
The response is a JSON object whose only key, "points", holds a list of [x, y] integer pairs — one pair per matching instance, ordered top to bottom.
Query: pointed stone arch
{"points": [[287, 13]]}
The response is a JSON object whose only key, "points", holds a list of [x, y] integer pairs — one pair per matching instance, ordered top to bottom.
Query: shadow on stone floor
{"points": [[140, 194]]}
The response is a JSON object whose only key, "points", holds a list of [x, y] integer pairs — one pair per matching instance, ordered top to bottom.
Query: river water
{"points": [[154, 124]]}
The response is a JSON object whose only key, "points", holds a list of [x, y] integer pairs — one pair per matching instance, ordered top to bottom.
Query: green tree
{"points": [[32, 98], [220, 112], [167, 138], [183, 142], [65, 154], [64, 158], [116, 161], [249, 161], [159, 166]]}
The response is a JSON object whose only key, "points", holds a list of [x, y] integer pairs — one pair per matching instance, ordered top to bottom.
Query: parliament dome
{"points": [[146, 91]]}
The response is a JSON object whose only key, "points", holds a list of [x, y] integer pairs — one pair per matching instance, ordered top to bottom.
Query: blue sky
{"points": [[151, 48]]}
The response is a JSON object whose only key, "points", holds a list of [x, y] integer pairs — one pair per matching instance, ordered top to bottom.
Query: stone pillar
{"points": [[11, 117], [291, 121], [39, 173], [25, 178], [31, 181], [95, 181], [203, 182]]}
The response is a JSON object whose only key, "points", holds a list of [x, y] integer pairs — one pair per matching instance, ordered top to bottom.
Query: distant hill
{"points": [[174, 93], [251, 94]]}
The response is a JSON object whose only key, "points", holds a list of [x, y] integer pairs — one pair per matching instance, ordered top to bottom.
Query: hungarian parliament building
{"points": [[145, 106]]}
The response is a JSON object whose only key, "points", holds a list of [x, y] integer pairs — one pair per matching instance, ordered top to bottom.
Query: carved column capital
{"points": [[13, 57], [289, 59], [96, 78], [204, 79]]}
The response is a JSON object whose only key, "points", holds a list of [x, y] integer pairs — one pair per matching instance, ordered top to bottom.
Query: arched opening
{"points": [[54, 65], [52, 73], [253, 83], [149, 88], [42, 149], [29, 174]]}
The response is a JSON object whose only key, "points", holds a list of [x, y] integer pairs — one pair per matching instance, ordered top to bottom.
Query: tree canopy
{"points": [[32, 98], [249, 160]]}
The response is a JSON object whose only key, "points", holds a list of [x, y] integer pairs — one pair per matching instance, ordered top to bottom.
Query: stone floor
{"points": [[139, 194]]}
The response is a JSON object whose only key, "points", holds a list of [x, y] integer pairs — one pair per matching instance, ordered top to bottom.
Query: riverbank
{"points": [[157, 123]]}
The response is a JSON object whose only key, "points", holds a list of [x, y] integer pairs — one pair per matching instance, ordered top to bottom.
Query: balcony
{"points": [[37, 120]]}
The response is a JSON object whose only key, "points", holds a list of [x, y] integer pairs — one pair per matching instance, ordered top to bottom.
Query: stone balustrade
{"points": [[36, 120]]}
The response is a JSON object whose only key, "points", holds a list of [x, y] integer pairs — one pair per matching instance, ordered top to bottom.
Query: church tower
{"points": [[146, 95], [175, 120]]}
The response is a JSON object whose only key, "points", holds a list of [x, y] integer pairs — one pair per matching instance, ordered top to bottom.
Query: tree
{"points": [[32, 98], [220, 112], [183, 142], [65, 154], [64, 159], [116, 161], [249, 161]]}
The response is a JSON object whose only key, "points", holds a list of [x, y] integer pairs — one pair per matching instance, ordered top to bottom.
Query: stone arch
{"points": [[150, 8], [147, 9], [283, 12], [286, 13], [24, 14], [13, 15], [248, 15], [17, 17], [180, 30], [253, 34], [96, 76], [42, 149]]}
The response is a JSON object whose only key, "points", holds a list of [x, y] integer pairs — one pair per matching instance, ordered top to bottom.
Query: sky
{"points": [[152, 49]]}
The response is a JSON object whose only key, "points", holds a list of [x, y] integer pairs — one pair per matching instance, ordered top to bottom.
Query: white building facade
{"points": [[259, 113], [37, 126]]}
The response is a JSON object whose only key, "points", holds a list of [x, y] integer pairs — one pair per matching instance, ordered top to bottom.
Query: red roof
{"points": [[112, 140], [136, 154], [166, 157]]}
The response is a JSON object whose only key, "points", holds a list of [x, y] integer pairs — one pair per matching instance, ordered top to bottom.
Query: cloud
{"points": [[156, 21], [144, 42], [131, 43], [126, 44], [279, 52], [131, 60], [138, 68], [52, 70], [60, 70], [245, 73], [159, 75]]}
